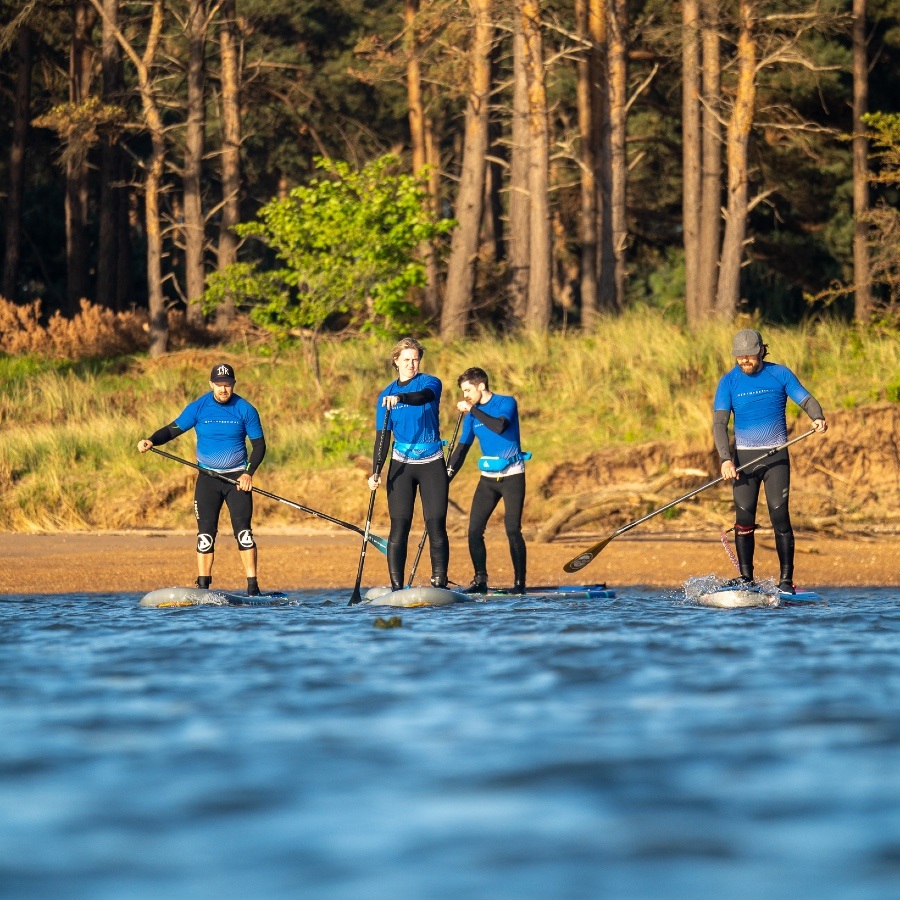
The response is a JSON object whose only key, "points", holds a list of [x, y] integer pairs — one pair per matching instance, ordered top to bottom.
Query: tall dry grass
{"points": [[67, 442]]}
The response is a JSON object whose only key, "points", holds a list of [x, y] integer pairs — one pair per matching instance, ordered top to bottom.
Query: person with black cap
{"points": [[756, 392], [223, 422]]}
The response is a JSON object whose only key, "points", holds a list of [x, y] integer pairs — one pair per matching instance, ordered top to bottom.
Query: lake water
{"points": [[636, 747]]}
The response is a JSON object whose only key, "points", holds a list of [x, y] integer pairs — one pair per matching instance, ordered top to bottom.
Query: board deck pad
{"points": [[173, 597]]}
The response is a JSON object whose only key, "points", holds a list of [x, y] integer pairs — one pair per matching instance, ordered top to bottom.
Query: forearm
{"points": [[416, 398], [812, 408], [492, 423], [720, 433], [165, 434], [257, 452], [457, 458]]}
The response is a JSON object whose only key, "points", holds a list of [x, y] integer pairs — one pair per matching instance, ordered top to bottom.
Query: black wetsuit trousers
{"points": [[774, 473], [404, 481], [488, 494], [209, 495]]}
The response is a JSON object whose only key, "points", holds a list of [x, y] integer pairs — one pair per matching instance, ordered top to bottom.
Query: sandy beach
{"points": [[106, 562]]}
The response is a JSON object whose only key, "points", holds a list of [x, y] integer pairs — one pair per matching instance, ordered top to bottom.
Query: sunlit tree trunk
{"points": [[598, 24], [618, 100], [417, 137], [738, 139], [17, 152], [691, 154], [230, 159], [711, 170], [470, 197], [108, 214], [194, 222], [587, 225], [519, 240], [77, 244], [861, 265], [539, 303], [159, 330]]}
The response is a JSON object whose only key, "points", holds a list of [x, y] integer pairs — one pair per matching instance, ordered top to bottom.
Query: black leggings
{"points": [[775, 473], [403, 482], [209, 495], [487, 496]]}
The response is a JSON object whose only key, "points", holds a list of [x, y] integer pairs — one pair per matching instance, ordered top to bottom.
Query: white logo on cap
{"points": [[222, 370]]}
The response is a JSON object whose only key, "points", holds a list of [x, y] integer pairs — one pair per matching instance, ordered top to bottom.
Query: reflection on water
{"points": [[633, 747]]}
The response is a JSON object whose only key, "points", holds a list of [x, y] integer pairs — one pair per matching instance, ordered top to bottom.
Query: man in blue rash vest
{"points": [[756, 392], [494, 420], [223, 422], [417, 462]]}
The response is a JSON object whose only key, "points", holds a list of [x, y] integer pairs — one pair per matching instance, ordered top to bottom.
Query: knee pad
{"points": [[245, 540], [206, 543]]}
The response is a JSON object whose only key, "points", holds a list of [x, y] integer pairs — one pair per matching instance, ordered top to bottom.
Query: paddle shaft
{"points": [[300, 506], [421, 547], [590, 554], [356, 597]]}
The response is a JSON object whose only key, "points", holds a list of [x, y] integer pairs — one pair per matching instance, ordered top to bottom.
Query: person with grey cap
{"points": [[756, 392], [223, 422]]}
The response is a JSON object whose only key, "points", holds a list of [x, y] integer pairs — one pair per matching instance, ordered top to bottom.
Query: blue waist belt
{"points": [[418, 451], [499, 463]]}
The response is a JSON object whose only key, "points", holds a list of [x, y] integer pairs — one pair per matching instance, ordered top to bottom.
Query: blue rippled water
{"points": [[636, 747]]}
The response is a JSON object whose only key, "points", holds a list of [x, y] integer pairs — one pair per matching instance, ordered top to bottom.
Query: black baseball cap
{"points": [[222, 374]]}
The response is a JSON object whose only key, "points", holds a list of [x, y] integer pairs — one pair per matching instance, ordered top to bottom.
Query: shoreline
{"points": [[129, 562]]}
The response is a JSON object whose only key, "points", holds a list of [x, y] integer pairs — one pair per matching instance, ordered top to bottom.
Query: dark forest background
{"points": [[709, 157]]}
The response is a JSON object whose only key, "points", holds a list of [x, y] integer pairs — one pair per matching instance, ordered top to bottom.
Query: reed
{"points": [[67, 446]]}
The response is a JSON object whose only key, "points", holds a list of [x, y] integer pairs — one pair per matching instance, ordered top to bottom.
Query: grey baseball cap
{"points": [[747, 343]]}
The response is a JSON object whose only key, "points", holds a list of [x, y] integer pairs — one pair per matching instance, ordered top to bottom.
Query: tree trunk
{"points": [[598, 23], [618, 112], [21, 118], [417, 137], [738, 139], [231, 149], [691, 154], [433, 161], [711, 169], [470, 198], [76, 204], [492, 223], [194, 224], [587, 225], [519, 234], [107, 246], [861, 270], [539, 304]]}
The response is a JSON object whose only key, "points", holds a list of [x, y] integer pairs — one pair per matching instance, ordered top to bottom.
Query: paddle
{"points": [[450, 447], [373, 539], [580, 561], [356, 597]]}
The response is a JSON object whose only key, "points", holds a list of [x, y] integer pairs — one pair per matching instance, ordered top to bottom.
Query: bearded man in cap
{"points": [[756, 392], [223, 422]]}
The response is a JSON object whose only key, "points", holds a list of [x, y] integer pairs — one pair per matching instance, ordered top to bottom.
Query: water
{"points": [[637, 747]]}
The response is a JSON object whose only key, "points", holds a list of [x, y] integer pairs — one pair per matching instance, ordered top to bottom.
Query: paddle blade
{"points": [[379, 543], [589, 555], [356, 597]]}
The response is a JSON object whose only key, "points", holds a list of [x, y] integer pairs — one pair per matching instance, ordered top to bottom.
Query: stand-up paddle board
{"points": [[431, 596], [411, 597], [166, 598], [738, 598]]}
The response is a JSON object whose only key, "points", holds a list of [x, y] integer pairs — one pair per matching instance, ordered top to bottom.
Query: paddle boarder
{"points": [[756, 392], [408, 407], [494, 420], [223, 422]]}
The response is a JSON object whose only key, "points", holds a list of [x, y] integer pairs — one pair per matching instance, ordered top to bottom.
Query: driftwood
{"points": [[580, 509]]}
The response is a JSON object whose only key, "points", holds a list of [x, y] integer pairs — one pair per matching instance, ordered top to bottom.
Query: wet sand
{"points": [[105, 562]]}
